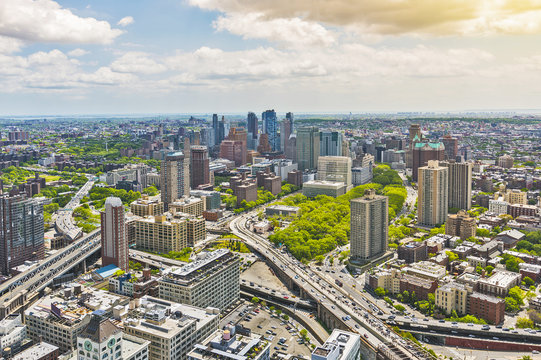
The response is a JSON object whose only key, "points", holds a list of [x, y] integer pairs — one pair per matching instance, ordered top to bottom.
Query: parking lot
{"points": [[275, 330]]}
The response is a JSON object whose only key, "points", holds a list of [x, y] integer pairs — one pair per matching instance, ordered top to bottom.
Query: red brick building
{"points": [[422, 287], [487, 307]]}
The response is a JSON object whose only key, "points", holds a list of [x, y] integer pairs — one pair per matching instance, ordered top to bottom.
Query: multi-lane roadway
{"points": [[64, 221], [357, 317]]}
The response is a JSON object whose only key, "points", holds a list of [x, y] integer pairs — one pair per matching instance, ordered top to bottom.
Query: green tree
{"points": [[452, 256], [528, 281], [380, 291], [517, 294], [255, 300], [511, 305], [399, 307], [524, 323]]}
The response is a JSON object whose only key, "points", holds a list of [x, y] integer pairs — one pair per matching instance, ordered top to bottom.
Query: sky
{"points": [[71, 57]]}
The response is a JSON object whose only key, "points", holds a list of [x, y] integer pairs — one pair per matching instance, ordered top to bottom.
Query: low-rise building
{"points": [[321, 187], [497, 207], [283, 210], [509, 238], [487, 250], [413, 252], [476, 261], [426, 270], [532, 271], [387, 279], [212, 280], [499, 283], [134, 285], [420, 286], [59, 318], [172, 329], [12, 333], [227, 344], [341, 345], [40, 351]]}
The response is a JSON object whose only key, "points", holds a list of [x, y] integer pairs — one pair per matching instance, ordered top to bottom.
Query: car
{"points": [[425, 319], [442, 321], [470, 324], [357, 326], [485, 327], [505, 329], [471, 335], [366, 336], [276, 348], [535, 352]]}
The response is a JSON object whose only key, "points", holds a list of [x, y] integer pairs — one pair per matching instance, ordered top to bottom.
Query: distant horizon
{"points": [[297, 113]]}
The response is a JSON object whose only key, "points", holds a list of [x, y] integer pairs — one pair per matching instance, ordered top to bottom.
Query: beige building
{"points": [[505, 161], [334, 168], [174, 178], [460, 184], [433, 194], [516, 197], [189, 205], [146, 207], [461, 225], [369, 226], [196, 229], [160, 234], [426, 270], [387, 279], [211, 280], [453, 296], [58, 318], [172, 329]]}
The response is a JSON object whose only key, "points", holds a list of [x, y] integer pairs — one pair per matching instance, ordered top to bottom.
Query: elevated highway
{"points": [[64, 222], [22, 289], [376, 335]]}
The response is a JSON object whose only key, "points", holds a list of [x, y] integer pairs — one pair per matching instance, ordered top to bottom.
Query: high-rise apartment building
{"points": [[252, 124], [270, 127], [216, 128], [285, 133], [330, 143], [307, 147], [451, 147], [234, 150], [424, 152], [505, 161], [200, 166], [334, 168], [174, 178], [460, 184], [433, 194], [369, 226], [21, 231], [160, 234], [114, 242]]}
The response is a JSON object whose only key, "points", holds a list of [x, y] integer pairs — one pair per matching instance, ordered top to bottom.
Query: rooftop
{"points": [[501, 278], [166, 319], [36, 351]]}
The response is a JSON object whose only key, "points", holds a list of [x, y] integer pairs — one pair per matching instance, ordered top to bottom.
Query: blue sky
{"points": [[204, 56]]}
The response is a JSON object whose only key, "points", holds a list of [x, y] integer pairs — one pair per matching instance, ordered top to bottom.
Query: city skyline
{"points": [[203, 56]]}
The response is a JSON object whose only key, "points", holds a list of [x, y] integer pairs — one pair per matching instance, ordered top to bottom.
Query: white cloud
{"points": [[469, 17], [47, 21], [125, 21], [294, 31], [9, 45], [78, 52], [137, 62], [105, 76]]}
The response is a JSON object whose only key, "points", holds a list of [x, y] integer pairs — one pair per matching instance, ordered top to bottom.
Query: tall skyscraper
{"points": [[289, 116], [252, 125], [270, 127], [216, 128], [286, 128], [221, 130], [415, 133], [330, 143], [307, 147], [200, 166], [334, 168], [174, 178], [460, 184], [433, 194], [369, 226], [21, 231], [114, 242]]}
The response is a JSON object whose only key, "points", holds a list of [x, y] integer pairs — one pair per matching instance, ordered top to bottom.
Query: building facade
{"points": [[307, 147], [200, 165], [335, 168], [174, 178], [460, 184], [433, 194], [369, 226], [114, 242]]}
